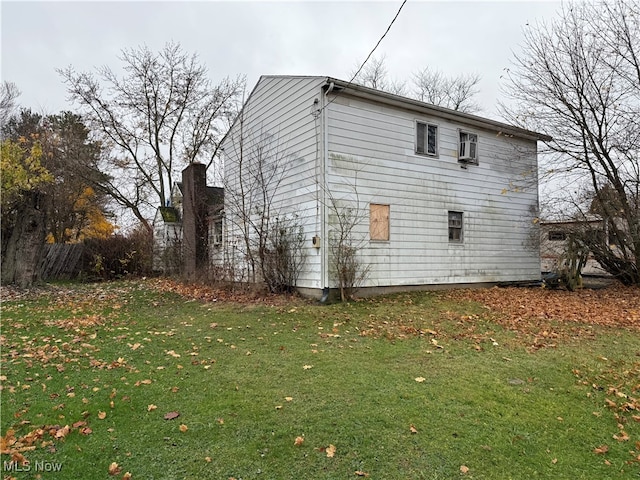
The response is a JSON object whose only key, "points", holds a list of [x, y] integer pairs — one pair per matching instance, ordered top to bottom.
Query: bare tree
{"points": [[374, 75], [578, 80], [430, 86], [9, 93], [456, 93], [162, 114], [272, 241], [346, 243]]}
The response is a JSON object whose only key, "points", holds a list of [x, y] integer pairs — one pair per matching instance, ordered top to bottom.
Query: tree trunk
{"points": [[26, 242]]}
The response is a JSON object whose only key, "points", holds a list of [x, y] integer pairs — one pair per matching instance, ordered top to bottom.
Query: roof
{"points": [[343, 87], [215, 195], [169, 214]]}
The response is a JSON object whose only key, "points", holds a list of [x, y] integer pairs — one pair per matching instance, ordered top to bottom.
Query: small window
{"points": [[426, 139], [468, 152], [379, 222], [455, 227], [215, 232], [557, 236]]}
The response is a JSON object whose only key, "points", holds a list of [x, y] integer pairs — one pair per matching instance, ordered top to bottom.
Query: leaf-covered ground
{"points": [[616, 306], [157, 379]]}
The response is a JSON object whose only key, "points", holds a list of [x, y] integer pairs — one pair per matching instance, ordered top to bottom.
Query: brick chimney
{"points": [[194, 220]]}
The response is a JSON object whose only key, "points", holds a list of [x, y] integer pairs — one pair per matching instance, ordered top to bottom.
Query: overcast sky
{"points": [[256, 38]]}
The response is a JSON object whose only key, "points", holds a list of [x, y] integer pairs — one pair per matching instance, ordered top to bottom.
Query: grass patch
{"points": [[406, 386]]}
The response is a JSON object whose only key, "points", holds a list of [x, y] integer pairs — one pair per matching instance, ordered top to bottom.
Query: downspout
{"points": [[324, 217]]}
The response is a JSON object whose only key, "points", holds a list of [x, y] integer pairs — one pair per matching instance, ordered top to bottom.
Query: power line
{"points": [[377, 44], [368, 56]]}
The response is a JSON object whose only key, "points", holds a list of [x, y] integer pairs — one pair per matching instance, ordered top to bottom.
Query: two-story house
{"points": [[439, 197]]}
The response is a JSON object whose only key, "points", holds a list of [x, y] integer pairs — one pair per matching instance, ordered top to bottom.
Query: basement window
{"points": [[426, 139], [379, 222], [455, 227], [557, 236]]}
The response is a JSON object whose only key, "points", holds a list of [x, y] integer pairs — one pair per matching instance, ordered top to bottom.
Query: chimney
{"points": [[194, 220]]}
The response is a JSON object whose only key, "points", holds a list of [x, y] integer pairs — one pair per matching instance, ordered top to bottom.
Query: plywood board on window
{"points": [[379, 222]]}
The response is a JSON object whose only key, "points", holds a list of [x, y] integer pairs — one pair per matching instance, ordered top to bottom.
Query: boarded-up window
{"points": [[379, 222], [455, 227]]}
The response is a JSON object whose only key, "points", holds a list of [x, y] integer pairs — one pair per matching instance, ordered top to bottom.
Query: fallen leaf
{"points": [[307, 367], [420, 379], [288, 399], [151, 408], [102, 415], [171, 415], [220, 421], [183, 428], [412, 429], [62, 432], [622, 437], [298, 441], [601, 449], [331, 451], [207, 459], [554, 461], [114, 469], [464, 469], [360, 473], [126, 476]]}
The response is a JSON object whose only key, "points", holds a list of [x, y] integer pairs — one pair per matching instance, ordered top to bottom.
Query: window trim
{"points": [[437, 135], [476, 160], [450, 216]]}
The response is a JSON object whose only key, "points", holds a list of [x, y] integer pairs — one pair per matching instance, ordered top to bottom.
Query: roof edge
{"points": [[467, 118]]}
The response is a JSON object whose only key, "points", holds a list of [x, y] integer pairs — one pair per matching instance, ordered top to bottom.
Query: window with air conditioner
{"points": [[426, 139], [468, 152]]}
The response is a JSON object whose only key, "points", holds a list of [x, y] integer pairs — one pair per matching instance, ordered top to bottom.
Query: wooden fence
{"points": [[62, 261]]}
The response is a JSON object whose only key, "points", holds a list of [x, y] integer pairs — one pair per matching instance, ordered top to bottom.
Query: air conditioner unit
{"points": [[468, 151]]}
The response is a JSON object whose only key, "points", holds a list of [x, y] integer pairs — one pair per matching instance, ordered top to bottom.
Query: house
{"points": [[437, 197], [185, 233], [554, 238]]}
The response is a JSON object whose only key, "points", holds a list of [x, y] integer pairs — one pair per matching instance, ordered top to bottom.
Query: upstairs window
{"points": [[426, 139], [468, 151], [455, 227]]}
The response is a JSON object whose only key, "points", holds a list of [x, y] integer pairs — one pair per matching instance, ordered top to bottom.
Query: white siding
{"points": [[280, 109], [372, 147]]}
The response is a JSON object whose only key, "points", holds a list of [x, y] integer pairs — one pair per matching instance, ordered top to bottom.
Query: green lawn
{"points": [[409, 386]]}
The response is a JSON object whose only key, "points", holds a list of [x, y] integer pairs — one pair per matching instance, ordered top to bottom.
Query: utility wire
{"points": [[368, 56]]}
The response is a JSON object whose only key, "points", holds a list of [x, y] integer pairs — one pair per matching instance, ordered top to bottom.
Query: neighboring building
{"points": [[441, 197], [186, 234], [554, 237], [167, 238]]}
